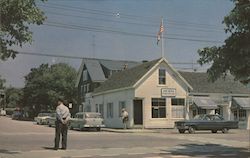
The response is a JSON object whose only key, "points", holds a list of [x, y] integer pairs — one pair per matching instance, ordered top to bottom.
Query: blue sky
{"points": [[189, 25]]}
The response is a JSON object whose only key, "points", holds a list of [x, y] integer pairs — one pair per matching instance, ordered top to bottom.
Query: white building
{"points": [[156, 95]]}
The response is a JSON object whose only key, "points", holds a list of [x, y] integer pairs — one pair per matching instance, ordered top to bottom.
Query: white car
{"points": [[42, 118], [87, 120], [51, 121]]}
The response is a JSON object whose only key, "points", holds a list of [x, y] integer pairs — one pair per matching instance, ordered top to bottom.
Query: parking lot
{"points": [[26, 139]]}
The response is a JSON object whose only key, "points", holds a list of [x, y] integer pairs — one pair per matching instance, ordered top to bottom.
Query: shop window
{"points": [[162, 76], [122, 104], [178, 107], [158, 108], [100, 109], [110, 110], [201, 111], [219, 111], [242, 115]]}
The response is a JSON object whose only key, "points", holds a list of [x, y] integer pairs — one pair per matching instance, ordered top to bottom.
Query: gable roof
{"points": [[95, 70], [130, 77], [126, 78], [199, 82]]}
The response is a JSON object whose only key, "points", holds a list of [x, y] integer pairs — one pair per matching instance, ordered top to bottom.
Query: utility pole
{"points": [[162, 39], [93, 45]]}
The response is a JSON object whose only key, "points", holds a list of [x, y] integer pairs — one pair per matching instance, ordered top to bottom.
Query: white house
{"points": [[156, 95]]}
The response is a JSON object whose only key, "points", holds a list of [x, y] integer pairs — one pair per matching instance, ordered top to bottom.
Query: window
{"points": [[85, 75], [162, 76], [87, 87], [81, 89], [122, 104], [178, 107], [99, 108], [158, 108], [110, 110], [201, 111], [240, 115]]}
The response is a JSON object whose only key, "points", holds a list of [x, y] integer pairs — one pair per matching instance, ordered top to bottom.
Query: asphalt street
{"points": [[24, 139]]}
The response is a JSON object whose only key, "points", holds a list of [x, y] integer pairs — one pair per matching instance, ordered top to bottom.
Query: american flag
{"points": [[160, 32]]}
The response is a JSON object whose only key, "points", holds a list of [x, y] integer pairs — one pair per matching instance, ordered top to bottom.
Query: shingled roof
{"points": [[126, 78], [200, 83]]}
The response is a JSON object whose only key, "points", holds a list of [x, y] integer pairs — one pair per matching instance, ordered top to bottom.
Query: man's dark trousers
{"points": [[61, 129]]}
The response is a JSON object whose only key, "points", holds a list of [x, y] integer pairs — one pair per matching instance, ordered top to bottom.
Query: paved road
{"points": [[28, 140]]}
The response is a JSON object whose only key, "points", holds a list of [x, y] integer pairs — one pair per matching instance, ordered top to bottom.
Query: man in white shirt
{"points": [[124, 116], [62, 118]]}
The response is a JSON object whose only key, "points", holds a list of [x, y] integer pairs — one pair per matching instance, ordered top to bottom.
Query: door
{"points": [[138, 114]]}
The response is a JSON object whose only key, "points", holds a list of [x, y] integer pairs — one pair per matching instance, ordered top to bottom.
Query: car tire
{"points": [[98, 129], [181, 130], [191, 130], [224, 130], [214, 131]]}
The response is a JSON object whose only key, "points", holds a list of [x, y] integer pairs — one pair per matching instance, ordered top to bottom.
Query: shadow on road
{"points": [[48, 148], [209, 150], [4, 151]]}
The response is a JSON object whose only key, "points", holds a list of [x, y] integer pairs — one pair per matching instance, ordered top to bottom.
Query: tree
{"points": [[16, 16], [234, 55], [43, 86], [14, 97]]}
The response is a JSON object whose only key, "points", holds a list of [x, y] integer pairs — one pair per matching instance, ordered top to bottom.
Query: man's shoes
{"points": [[55, 148], [63, 148]]}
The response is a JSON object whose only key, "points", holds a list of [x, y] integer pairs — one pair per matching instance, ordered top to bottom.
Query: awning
{"points": [[205, 103], [243, 103]]}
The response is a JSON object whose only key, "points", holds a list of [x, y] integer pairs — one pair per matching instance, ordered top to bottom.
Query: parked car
{"points": [[17, 115], [41, 118], [51, 120], [87, 120], [206, 122]]}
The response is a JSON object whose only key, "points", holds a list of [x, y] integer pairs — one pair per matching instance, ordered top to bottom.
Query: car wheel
{"points": [[49, 125], [98, 128], [181, 130], [191, 130], [224, 130], [214, 131]]}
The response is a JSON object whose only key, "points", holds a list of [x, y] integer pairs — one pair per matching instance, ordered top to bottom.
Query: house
{"points": [[92, 73], [156, 95]]}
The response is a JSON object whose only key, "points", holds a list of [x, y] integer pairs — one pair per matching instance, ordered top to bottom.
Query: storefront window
{"points": [[178, 107], [158, 108], [110, 110], [240, 115]]}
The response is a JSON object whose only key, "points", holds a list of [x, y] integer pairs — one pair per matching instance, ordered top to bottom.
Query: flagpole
{"points": [[162, 40]]}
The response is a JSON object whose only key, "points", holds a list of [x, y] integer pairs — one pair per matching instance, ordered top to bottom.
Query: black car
{"points": [[206, 122]]}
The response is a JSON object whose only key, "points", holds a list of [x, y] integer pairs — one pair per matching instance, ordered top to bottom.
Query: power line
{"points": [[135, 17], [130, 23], [95, 29], [80, 57]]}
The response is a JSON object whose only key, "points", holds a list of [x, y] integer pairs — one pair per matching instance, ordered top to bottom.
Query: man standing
{"points": [[124, 116], [62, 118]]}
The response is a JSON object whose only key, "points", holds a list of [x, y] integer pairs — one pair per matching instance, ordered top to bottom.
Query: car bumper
{"points": [[94, 126]]}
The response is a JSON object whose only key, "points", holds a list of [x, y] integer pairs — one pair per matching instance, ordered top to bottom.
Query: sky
{"points": [[120, 30]]}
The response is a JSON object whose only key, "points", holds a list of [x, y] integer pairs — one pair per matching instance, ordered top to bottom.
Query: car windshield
{"points": [[43, 114], [93, 115], [198, 117]]}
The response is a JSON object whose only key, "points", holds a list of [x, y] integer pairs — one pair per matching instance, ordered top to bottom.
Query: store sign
{"points": [[168, 92]]}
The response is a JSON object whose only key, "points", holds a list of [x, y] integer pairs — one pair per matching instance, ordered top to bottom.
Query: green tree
{"points": [[16, 16], [234, 55], [43, 86], [14, 97]]}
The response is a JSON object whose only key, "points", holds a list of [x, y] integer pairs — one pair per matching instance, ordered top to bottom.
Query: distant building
{"points": [[92, 73], [156, 95]]}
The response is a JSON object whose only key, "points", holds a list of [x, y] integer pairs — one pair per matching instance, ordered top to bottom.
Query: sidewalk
{"points": [[116, 130]]}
